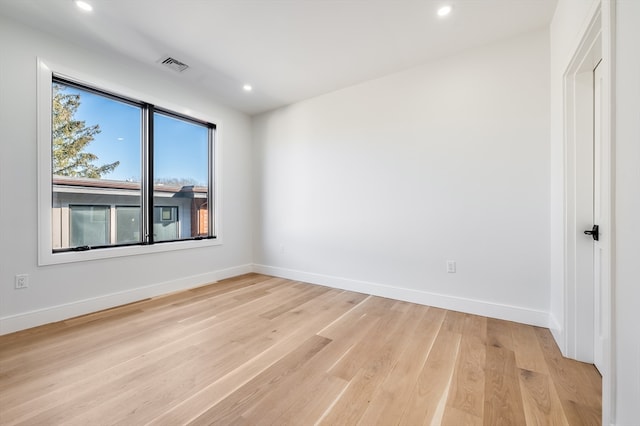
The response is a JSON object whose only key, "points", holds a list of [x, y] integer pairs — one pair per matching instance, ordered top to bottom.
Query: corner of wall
{"points": [[557, 332]]}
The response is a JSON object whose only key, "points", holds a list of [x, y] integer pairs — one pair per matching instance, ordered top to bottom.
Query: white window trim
{"points": [[45, 72]]}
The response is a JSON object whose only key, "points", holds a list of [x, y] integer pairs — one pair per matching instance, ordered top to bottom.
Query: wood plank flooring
{"points": [[258, 350]]}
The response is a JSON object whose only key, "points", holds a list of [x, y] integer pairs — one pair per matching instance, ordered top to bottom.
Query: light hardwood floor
{"points": [[257, 350]]}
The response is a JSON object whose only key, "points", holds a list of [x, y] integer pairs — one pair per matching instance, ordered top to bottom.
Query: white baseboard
{"points": [[454, 303], [51, 314]]}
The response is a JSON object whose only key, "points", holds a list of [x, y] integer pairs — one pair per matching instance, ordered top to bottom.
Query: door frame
{"points": [[596, 42], [579, 160]]}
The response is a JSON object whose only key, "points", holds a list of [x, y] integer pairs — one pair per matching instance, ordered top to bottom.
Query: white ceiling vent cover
{"points": [[173, 63]]}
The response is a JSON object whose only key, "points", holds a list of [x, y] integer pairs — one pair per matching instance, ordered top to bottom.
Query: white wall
{"points": [[376, 186], [627, 213], [60, 291]]}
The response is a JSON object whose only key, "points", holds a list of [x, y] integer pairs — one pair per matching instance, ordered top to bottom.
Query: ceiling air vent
{"points": [[173, 63]]}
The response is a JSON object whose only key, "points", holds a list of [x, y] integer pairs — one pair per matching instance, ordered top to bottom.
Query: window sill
{"points": [[49, 258]]}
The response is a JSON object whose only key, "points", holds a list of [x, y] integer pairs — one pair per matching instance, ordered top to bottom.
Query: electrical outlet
{"points": [[451, 266], [22, 281]]}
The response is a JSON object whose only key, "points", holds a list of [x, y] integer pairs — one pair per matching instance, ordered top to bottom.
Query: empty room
{"points": [[319, 212]]}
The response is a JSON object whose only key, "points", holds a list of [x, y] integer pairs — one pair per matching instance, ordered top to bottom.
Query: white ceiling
{"points": [[288, 50]]}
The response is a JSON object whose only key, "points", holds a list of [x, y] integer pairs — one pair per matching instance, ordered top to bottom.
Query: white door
{"points": [[598, 245], [590, 249]]}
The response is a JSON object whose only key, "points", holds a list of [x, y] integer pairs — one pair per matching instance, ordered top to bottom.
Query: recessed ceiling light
{"points": [[84, 6], [444, 11], [247, 88]]}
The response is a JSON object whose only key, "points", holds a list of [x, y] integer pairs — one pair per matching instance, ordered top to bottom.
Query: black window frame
{"points": [[147, 153]]}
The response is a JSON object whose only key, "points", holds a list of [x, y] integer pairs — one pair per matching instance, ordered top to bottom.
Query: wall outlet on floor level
{"points": [[451, 266], [22, 281]]}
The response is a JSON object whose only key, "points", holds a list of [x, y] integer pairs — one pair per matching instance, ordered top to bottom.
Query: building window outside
{"points": [[143, 173], [165, 224], [90, 225], [128, 226]]}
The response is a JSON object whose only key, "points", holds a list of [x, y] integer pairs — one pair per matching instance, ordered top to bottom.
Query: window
{"points": [[108, 149], [96, 160], [122, 173], [165, 224], [89, 225], [128, 228]]}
